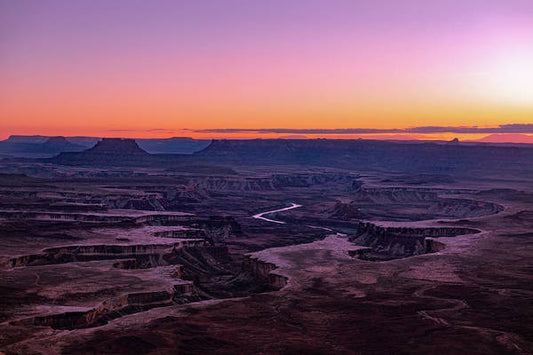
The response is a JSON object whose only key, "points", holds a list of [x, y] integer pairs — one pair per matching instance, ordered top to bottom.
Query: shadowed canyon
{"points": [[265, 247]]}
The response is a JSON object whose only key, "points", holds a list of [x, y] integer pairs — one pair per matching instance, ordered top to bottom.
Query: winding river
{"points": [[262, 214]]}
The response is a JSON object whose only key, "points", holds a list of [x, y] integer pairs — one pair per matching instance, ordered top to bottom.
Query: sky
{"points": [[164, 68]]}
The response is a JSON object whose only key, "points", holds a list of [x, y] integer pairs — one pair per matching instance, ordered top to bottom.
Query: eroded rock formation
{"points": [[116, 146], [397, 242], [74, 253], [264, 271], [114, 308]]}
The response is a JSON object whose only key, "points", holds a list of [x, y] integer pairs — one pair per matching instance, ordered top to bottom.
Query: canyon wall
{"points": [[404, 241], [264, 271]]}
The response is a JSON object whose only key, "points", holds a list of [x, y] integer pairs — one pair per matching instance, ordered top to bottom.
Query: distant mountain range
{"points": [[44, 146], [410, 156], [435, 157], [442, 158]]}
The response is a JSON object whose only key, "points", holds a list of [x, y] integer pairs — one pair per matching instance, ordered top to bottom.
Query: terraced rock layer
{"points": [[398, 242], [75, 253], [114, 308]]}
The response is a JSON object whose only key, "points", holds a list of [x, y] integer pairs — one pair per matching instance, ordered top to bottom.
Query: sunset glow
{"points": [[153, 69]]}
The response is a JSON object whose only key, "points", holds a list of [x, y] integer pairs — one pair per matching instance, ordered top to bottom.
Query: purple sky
{"points": [[90, 66]]}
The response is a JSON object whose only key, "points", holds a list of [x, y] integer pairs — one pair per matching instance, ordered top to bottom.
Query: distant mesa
{"points": [[14, 138], [57, 140], [454, 141], [62, 144], [35, 145], [38, 145], [174, 145], [116, 146], [107, 152], [422, 157]]}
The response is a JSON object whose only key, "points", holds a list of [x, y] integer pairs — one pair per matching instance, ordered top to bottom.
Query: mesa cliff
{"points": [[116, 146], [427, 157], [396, 242]]}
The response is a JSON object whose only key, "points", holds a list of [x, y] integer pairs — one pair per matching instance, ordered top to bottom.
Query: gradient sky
{"points": [[152, 68]]}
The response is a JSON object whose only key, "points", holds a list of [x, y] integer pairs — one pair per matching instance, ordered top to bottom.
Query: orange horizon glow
{"points": [[75, 68], [481, 137]]}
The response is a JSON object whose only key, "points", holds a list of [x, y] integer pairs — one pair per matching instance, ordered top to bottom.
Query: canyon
{"points": [[267, 246]]}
